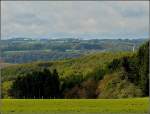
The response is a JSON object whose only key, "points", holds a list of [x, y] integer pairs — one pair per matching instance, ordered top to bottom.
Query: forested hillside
{"points": [[98, 75]]}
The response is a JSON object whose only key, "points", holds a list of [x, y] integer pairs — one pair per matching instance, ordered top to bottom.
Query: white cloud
{"points": [[40, 18]]}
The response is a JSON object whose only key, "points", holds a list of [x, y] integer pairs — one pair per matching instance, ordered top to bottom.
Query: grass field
{"points": [[75, 106]]}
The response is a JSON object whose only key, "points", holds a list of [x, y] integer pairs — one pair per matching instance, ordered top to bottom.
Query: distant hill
{"points": [[23, 50], [81, 66], [98, 75]]}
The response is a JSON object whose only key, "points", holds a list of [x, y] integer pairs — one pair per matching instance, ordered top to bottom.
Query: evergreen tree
{"points": [[143, 61], [36, 84]]}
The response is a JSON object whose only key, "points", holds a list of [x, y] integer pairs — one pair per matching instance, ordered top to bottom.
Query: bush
{"points": [[6, 86], [84, 90]]}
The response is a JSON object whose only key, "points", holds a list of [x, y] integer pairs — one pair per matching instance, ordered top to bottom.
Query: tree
{"points": [[143, 61], [36, 84]]}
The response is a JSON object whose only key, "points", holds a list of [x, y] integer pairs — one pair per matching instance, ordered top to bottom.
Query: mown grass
{"points": [[75, 106]]}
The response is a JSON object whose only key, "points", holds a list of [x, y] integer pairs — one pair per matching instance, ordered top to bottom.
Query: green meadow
{"points": [[75, 106]]}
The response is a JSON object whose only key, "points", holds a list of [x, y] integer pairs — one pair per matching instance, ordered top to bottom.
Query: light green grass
{"points": [[75, 106]]}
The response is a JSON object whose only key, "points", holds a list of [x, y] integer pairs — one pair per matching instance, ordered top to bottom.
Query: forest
{"points": [[96, 75]]}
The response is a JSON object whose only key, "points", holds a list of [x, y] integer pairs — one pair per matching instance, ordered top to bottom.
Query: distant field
{"points": [[26, 51], [2, 65], [75, 106]]}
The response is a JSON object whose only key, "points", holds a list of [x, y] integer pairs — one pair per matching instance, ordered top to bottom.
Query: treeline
{"points": [[38, 55], [134, 69], [89, 77], [36, 84]]}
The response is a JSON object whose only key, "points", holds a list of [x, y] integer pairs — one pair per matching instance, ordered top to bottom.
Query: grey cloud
{"points": [[38, 19]]}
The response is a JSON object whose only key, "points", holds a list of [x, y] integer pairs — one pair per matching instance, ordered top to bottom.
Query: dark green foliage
{"points": [[143, 61], [114, 65], [135, 68], [71, 81], [36, 84]]}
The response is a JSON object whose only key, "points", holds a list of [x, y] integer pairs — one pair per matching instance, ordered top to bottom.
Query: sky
{"points": [[42, 19]]}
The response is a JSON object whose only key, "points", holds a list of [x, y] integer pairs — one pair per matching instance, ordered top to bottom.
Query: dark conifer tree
{"points": [[37, 84]]}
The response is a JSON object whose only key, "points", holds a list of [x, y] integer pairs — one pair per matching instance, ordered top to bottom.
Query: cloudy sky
{"points": [[42, 18]]}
